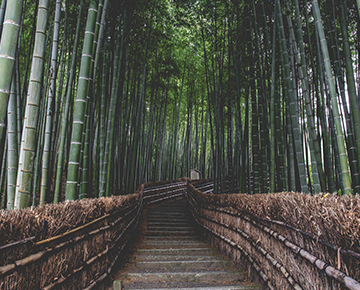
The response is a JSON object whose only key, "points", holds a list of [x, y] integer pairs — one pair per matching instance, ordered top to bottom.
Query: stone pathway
{"points": [[173, 256]]}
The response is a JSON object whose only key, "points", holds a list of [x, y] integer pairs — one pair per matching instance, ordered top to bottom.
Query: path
{"points": [[172, 256]]}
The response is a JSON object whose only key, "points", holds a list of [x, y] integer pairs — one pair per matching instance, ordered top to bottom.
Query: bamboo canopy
{"points": [[99, 96]]}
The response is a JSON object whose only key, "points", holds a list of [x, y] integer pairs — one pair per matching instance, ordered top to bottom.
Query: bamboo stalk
{"points": [[8, 47], [335, 108]]}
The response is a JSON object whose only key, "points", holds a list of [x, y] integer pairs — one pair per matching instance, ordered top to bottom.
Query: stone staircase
{"points": [[173, 256]]}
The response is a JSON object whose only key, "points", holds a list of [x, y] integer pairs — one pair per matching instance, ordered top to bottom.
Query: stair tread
{"points": [[172, 256], [178, 258], [190, 285], [204, 288]]}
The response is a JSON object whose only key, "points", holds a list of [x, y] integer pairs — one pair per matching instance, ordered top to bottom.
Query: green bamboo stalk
{"points": [[2, 15], [97, 27], [101, 36], [8, 45], [28, 61], [339, 78], [351, 84], [51, 96], [59, 103], [113, 104], [80, 105], [292, 105], [18, 107], [262, 109], [335, 109], [272, 113], [65, 114], [111, 120], [102, 121], [137, 123], [327, 123], [30, 129], [150, 131], [254, 135], [40, 143], [290, 150], [12, 152], [96, 153], [99, 160], [281, 164], [288, 164], [87, 165], [316, 167], [329, 172], [3, 179], [245, 184], [84, 185], [3, 198]]}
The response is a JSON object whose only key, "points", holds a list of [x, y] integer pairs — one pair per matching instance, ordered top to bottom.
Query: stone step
{"points": [[175, 209], [168, 213], [172, 214], [161, 217], [169, 222], [169, 228], [170, 233], [171, 238], [173, 242], [175, 246], [164, 247], [182, 251], [172, 256], [176, 258], [184, 265], [188, 276], [157, 285], [206, 288]]}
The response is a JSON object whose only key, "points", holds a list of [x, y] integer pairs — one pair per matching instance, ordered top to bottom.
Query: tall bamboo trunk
{"points": [[2, 15], [8, 45], [80, 105], [292, 105], [50, 106], [335, 109], [66, 111], [30, 127], [12, 152]]}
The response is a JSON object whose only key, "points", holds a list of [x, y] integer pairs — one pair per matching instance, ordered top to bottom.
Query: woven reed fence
{"points": [[275, 254], [81, 256]]}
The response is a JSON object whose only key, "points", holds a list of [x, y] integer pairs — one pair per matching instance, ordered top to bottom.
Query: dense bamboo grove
{"points": [[98, 96]]}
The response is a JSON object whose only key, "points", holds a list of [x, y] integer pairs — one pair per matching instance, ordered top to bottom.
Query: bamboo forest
{"points": [[99, 96]]}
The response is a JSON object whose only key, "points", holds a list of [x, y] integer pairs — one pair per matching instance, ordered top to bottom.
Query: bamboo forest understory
{"points": [[99, 96]]}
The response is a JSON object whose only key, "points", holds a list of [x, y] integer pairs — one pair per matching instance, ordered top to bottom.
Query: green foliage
{"points": [[182, 84]]}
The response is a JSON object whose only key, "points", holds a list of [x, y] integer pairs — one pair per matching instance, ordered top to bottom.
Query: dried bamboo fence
{"points": [[276, 254], [84, 256]]}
